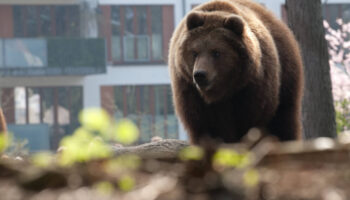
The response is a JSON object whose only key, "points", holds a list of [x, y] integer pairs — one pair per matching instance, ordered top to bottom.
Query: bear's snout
{"points": [[201, 79]]}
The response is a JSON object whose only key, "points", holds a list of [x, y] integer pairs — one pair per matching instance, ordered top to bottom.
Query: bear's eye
{"points": [[195, 54], [215, 54]]}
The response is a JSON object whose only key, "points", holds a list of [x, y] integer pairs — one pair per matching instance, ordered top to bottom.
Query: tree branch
{"points": [[162, 149]]}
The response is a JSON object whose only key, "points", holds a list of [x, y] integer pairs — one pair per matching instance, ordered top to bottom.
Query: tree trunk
{"points": [[306, 21]]}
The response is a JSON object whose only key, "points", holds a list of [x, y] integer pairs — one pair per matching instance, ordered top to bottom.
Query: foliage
{"points": [[339, 44], [339, 60], [342, 115], [94, 119], [126, 132], [90, 141], [4, 142], [91, 144], [83, 146], [16, 147], [191, 153], [231, 158], [42, 159], [225, 159], [123, 163], [251, 178], [126, 183], [104, 187]]}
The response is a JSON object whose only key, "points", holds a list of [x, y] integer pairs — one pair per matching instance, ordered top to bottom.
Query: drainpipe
{"points": [[183, 8]]}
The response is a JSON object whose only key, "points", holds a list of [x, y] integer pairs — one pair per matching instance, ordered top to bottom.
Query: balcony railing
{"points": [[52, 57]]}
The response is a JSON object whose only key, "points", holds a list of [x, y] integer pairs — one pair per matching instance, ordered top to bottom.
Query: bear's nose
{"points": [[200, 78]]}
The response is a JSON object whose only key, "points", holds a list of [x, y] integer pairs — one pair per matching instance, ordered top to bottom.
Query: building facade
{"points": [[58, 57]]}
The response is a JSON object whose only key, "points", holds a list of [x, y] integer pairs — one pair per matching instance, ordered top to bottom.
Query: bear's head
{"points": [[220, 54]]}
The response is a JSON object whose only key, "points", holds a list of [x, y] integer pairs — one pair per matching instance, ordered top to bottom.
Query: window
{"points": [[332, 12], [346, 13], [67, 20], [46, 21], [116, 30], [156, 33], [138, 34], [141, 35], [25, 53], [20, 104], [33, 105], [51, 105], [57, 106], [150, 107]]}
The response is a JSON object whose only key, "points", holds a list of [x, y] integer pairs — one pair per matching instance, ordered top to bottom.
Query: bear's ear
{"points": [[195, 20], [234, 23]]}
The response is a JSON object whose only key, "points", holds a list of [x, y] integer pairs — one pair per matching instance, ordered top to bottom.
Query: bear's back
{"points": [[292, 79]]}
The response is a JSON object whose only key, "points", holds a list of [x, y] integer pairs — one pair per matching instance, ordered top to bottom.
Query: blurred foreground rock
{"points": [[311, 170]]}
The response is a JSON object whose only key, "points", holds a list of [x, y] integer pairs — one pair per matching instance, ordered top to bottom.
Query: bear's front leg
{"points": [[190, 109], [286, 124]]}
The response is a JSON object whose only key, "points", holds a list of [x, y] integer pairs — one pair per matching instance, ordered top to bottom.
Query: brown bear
{"points": [[234, 66]]}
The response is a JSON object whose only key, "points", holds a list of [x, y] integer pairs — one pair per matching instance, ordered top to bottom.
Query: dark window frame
{"points": [[70, 12], [106, 30], [135, 32], [54, 93], [122, 100]]}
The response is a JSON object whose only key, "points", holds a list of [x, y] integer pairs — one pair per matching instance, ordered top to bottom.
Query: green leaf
{"points": [[94, 119], [126, 132], [4, 142], [83, 146], [98, 149], [191, 153], [231, 158], [42, 159], [124, 163], [251, 178], [126, 183], [104, 187]]}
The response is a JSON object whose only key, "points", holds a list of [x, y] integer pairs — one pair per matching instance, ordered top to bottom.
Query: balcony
{"points": [[52, 57]]}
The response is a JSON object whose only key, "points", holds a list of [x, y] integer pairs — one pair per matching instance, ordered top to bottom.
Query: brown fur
{"points": [[255, 72], [3, 127]]}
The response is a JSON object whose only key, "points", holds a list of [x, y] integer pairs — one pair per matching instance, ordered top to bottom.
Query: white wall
{"points": [[123, 75], [41, 81]]}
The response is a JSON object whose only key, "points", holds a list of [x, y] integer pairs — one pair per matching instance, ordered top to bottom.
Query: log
{"points": [[162, 149], [266, 151]]}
